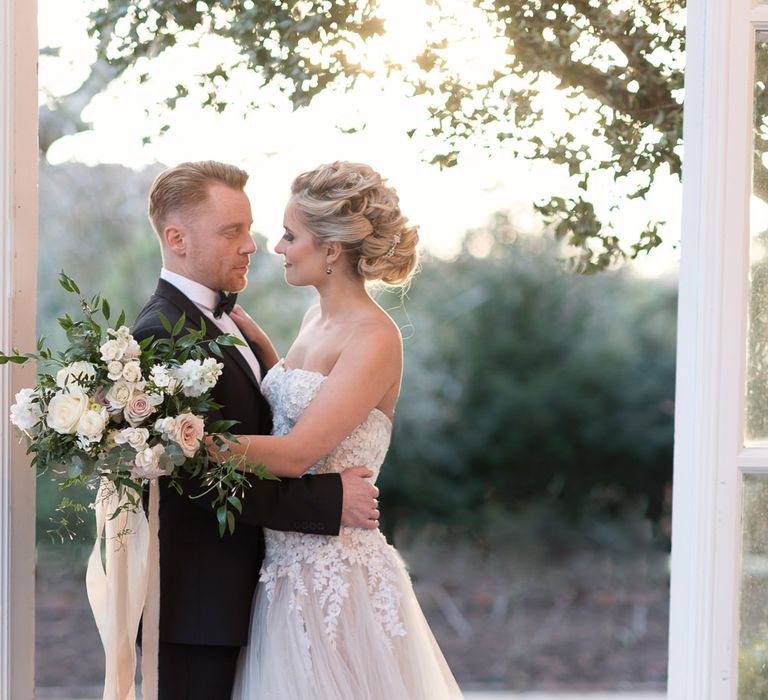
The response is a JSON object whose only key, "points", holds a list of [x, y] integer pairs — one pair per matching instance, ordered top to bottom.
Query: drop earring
{"points": [[328, 270]]}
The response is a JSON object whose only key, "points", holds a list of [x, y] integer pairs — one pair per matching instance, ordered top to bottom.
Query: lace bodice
{"points": [[289, 391], [320, 563]]}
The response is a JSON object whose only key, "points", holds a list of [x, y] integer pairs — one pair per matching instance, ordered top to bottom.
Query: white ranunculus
{"points": [[112, 350], [115, 370], [132, 371], [75, 374], [119, 394], [65, 410], [26, 412], [91, 425], [135, 437], [147, 463]]}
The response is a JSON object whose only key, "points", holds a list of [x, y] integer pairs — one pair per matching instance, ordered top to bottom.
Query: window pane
{"points": [[757, 364], [753, 635]]}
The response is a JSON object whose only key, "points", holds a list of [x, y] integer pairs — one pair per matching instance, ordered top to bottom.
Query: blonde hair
{"points": [[185, 186], [350, 203]]}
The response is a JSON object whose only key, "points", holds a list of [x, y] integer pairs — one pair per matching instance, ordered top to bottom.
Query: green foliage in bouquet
{"points": [[109, 407]]}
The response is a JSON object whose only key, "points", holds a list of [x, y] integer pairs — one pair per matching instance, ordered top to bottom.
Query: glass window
{"points": [[757, 340], [753, 635]]}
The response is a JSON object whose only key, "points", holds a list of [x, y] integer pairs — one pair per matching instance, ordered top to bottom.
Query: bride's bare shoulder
{"points": [[379, 328]]}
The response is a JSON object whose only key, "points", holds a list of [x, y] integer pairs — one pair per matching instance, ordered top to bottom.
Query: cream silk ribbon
{"points": [[122, 585]]}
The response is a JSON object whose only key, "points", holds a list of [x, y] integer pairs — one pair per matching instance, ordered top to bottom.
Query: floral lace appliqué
{"points": [[320, 565]]}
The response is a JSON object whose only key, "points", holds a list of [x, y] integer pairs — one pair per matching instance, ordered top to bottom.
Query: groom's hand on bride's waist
{"points": [[360, 507]]}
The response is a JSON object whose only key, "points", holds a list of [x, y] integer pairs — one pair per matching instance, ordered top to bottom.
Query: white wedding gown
{"points": [[336, 618]]}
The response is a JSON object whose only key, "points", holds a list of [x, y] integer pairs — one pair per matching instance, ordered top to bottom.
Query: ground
{"points": [[587, 620]]}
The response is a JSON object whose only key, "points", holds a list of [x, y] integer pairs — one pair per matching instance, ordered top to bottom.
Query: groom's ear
{"points": [[175, 240]]}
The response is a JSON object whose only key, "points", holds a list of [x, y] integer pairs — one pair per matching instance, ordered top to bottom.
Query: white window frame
{"points": [[18, 273], [710, 457]]}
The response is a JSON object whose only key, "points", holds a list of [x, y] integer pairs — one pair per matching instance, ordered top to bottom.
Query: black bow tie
{"points": [[225, 304]]}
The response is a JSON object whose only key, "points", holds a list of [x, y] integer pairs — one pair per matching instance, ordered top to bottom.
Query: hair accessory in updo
{"points": [[391, 251]]}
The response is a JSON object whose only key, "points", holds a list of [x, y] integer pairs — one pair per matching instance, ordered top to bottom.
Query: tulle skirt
{"points": [[356, 633]]}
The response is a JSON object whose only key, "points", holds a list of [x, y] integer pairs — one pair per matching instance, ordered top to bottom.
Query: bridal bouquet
{"points": [[109, 407]]}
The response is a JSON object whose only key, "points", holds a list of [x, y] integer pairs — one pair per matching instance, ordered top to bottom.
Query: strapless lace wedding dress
{"points": [[336, 618]]}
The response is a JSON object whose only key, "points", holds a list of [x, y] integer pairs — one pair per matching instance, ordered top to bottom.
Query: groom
{"points": [[203, 219]]}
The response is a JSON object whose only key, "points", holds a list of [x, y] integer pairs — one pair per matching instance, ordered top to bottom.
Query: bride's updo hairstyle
{"points": [[350, 203]]}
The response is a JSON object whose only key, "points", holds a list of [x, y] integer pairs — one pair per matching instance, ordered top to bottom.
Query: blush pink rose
{"points": [[138, 409], [188, 431]]}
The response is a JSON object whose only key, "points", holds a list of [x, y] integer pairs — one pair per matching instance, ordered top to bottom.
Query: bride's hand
{"points": [[251, 330], [255, 333]]}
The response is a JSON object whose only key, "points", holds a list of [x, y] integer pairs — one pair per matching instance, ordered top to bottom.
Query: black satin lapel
{"points": [[195, 318]]}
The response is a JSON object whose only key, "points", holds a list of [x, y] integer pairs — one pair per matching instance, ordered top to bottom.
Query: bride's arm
{"points": [[256, 334], [361, 377]]}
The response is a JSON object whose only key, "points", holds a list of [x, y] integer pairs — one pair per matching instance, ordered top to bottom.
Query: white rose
{"points": [[123, 333], [112, 350], [132, 350], [115, 370], [132, 371], [75, 374], [120, 394], [155, 399], [138, 409], [65, 410], [26, 412], [92, 423], [165, 427], [187, 432], [135, 437], [147, 463]]}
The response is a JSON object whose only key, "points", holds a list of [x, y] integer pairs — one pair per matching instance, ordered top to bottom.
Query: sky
{"points": [[274, 143]]}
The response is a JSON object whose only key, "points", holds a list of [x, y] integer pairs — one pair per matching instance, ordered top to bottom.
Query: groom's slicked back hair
{"points": [[184, 186]]}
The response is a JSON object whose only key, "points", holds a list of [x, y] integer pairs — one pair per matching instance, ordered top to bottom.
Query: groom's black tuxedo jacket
{"points": [[207, 581]]}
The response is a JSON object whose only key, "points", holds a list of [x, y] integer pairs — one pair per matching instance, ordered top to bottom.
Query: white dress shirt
{"points": [[206, 299]]}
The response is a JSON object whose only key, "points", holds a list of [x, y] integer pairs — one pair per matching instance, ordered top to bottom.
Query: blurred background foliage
{"points": [[527, 389]]}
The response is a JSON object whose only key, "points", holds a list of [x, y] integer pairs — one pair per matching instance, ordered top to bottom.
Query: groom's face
{"points": [[218, 241]]}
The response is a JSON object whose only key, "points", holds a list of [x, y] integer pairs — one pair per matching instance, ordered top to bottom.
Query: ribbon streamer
{"points": [[122, 585], [150, 630]]}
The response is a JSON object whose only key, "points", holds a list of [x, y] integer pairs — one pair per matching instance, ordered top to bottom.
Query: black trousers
{"points": [[192, 672]]}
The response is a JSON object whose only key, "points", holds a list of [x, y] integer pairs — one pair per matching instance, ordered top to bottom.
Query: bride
{"points": [[336, 618]]}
